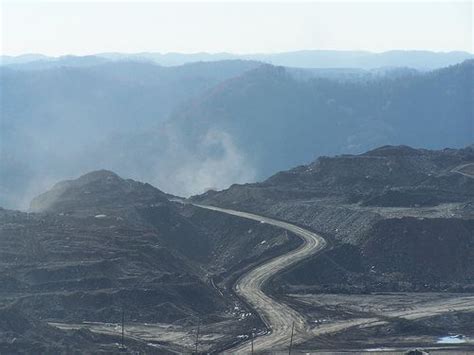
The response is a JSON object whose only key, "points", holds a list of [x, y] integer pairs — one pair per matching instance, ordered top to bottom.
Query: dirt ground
{"points": [[388, 321], [377, 323], [178, 338]]}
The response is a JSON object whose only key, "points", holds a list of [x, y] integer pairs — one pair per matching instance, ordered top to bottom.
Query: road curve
{"points": [[277, 316]]}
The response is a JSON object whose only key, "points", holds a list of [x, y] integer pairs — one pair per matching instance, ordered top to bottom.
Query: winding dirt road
{"points": [[277, 316]]}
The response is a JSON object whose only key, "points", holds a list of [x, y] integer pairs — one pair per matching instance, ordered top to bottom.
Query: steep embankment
{"points": [[397, 196]]}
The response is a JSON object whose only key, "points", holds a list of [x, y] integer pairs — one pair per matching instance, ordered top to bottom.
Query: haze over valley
{"points": [[227, 122], [236, 177]]}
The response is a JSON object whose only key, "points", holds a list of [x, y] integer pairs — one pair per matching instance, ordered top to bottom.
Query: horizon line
{"points": [[234, 53]]}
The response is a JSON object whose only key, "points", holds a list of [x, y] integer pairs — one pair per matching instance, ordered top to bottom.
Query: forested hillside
{"points": [[208, 125]]}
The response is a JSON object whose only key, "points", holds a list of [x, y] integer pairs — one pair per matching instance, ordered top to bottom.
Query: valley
{"points": [[236, 177]]}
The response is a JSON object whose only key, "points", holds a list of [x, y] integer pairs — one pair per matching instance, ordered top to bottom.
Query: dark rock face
{"points": [[406, 175], [388, 176], [106, 196], [400, 218], [101, 242], [433, 250], [399, 255], [85, 268]]}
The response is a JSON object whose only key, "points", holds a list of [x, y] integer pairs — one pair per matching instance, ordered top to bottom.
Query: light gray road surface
{"points": [[277, 316]]}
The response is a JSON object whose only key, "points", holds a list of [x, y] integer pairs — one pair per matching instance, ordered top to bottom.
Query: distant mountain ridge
{"points": [[424, 60], [91, 106], [276, 121], [211, 124]]}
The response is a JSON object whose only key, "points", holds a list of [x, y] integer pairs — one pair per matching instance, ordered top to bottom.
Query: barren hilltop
{"points": [[396, 219]]}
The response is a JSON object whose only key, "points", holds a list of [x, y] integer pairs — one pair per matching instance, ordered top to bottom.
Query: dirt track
{"points": [[465, 169], [420, 310], [278, 316]]}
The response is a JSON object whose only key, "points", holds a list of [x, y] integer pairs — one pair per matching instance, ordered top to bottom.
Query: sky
{"points": [[87, 27]]}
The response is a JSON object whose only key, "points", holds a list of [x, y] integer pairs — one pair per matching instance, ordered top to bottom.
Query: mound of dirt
{"points": [[387, 176], [96, 192], [399, 218]]}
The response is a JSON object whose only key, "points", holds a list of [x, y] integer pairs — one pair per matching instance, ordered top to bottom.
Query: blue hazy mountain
{"points": [[423, 60], [50, 118], [272, 120], [211, 124]]}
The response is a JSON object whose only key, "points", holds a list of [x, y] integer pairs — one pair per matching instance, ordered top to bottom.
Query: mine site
{"points": [[236, 177], [104, 262]]}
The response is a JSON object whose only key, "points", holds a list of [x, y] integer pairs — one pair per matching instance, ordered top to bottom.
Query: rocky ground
{"points": [[398, 218], [398, 221], [99, 244], [387, 320], [22, 333]]}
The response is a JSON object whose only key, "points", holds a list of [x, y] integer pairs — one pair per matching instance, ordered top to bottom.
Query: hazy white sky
{"points": [[66, 27]]}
